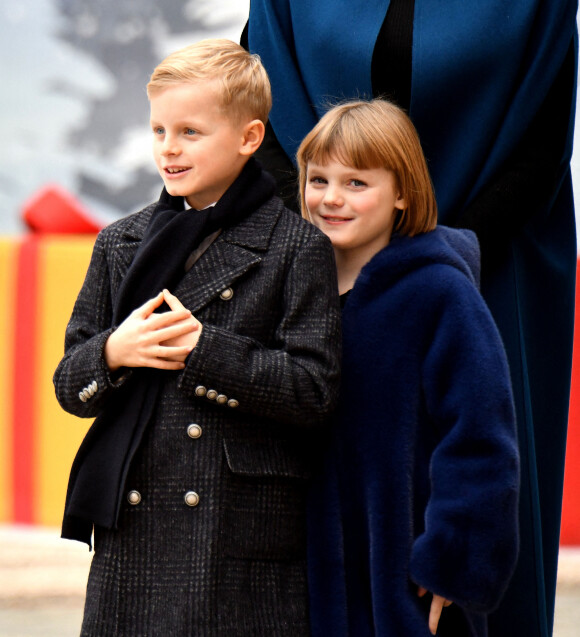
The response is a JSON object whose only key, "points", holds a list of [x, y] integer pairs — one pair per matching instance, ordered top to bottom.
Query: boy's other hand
{"points": [[188, 338], [149, 339], [437, 605]]}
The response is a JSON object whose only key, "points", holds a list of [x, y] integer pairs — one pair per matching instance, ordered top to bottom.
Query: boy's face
{"points": [[198, 150]]}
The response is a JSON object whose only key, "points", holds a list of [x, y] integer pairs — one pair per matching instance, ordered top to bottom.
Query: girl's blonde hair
{"points": [[244, 83], [375, 134]]}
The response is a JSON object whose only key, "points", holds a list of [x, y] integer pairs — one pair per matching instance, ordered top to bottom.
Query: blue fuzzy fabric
{"points": [[421, 475]]}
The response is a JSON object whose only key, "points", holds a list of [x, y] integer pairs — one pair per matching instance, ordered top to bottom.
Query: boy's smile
{"points": [[198, 149]]}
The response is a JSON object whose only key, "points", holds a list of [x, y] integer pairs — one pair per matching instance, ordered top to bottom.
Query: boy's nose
{"points": [[170, 147]]}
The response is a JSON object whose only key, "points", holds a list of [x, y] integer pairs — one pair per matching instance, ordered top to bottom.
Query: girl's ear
{"points": [[253, 134], [400, 203]]}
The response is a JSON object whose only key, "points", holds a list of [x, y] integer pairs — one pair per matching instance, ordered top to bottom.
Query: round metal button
{"points": [[227, 294], [200, 390], [211, 394], [222, 399], [232, 402], [194, 431], [134, 497], [191, 499]]}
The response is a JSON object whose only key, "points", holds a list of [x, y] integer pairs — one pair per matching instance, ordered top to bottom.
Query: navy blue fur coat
{"points": [[421, 480]]}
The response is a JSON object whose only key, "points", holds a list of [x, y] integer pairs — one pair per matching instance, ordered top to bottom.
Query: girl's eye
{"points": [[317, 180], [357, 183]]}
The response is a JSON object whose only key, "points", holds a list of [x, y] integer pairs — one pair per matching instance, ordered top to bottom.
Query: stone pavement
{"points": [[42, 582]]}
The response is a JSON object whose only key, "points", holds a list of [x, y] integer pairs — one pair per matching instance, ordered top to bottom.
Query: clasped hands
{"points": [[146, 338]]}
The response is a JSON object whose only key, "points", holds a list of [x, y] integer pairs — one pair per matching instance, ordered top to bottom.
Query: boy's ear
{"points": [[253, 134]]}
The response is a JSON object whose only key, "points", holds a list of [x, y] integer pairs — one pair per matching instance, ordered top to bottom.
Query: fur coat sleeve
{"points": [[467, 550]]}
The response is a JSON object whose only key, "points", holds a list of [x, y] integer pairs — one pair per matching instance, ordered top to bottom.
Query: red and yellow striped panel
{"points": [[62, 264], [8, 267], [39, 280]]}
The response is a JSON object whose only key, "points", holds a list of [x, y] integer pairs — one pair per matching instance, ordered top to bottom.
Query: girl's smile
{"points": [[333, 219]]}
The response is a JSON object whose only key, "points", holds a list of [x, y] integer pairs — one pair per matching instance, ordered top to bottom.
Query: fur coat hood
{"points": [[444, 246], [421, 478]]}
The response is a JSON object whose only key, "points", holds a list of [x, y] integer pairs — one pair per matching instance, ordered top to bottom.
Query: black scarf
{"points": [[102, 463]]}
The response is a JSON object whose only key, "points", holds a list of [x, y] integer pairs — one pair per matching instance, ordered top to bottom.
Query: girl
{"points": [[419, 492]]}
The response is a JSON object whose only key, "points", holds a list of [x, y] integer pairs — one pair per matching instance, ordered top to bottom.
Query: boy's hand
{"points": [[188, 338], [145, 339], [437, 605]]}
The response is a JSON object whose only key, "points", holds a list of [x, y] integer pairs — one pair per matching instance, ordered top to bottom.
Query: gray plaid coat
{"points": [[211, 537]]}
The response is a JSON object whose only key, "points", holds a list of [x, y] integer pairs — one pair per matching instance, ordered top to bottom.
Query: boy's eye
{"points": [[158, 130], [190, 131]]}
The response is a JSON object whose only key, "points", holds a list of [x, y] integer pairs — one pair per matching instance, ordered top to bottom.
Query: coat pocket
{"points": [[264, 507]]}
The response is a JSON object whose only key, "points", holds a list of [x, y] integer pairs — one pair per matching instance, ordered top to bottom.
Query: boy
{"points": [[193, 474]]}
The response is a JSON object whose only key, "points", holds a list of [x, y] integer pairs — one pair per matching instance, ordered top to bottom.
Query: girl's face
{"points": [[356, 209]]}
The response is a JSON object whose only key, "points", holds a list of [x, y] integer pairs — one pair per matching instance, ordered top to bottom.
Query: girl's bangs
{"points": [[346, 144]]}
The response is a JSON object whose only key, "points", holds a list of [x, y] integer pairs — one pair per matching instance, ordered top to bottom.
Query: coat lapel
{"points": [[236, 251], [123, 252], [231, 255]]}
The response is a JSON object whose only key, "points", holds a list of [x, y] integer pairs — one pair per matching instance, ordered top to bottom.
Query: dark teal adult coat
{"points": [[492, 93]]}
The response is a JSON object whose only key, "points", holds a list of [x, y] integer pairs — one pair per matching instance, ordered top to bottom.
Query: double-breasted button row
{"points": [[89, 391], [214, 395], [191, 498]]}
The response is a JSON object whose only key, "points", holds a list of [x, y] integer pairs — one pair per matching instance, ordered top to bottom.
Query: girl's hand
{"points": [[144, 338], [437, 605]]}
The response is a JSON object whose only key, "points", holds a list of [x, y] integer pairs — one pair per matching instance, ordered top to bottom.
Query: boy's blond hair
{"points": [[245, 86], [375, 134]]}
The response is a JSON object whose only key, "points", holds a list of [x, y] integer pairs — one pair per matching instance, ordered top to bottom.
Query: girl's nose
{"points": [[333, 196]]}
